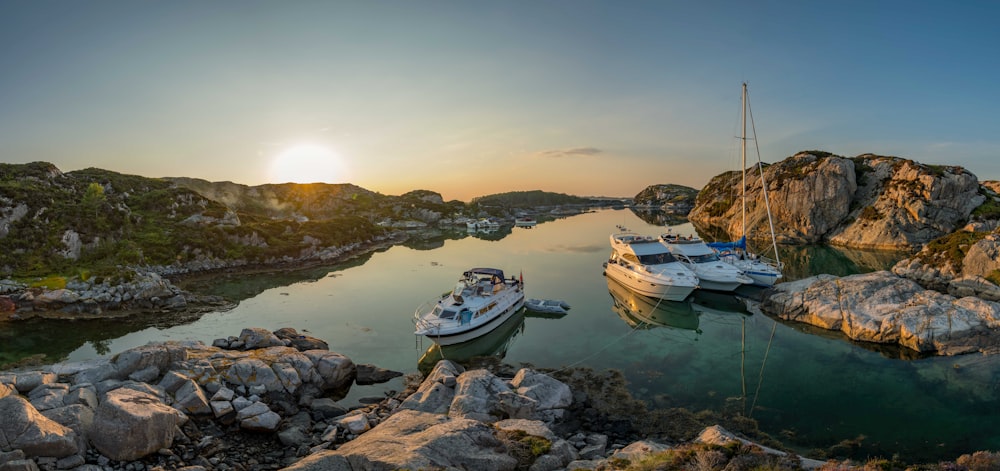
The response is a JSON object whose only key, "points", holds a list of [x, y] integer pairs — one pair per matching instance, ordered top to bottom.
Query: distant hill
{"points": [[531, 199], [675, 199], [95, 221]]}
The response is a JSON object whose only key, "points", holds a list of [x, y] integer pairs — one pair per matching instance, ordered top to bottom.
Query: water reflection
{"points": [[658, 217], [640, 312], [494, 344]]}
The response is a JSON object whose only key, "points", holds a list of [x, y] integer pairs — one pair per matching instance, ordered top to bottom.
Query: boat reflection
{"points": [[641, 312], [494, 344]]}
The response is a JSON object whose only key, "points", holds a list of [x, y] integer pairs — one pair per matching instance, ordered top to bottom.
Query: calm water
{"points": [[814, 390]]}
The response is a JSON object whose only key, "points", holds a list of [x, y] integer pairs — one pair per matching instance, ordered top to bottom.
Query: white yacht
{"points": [[644, 265], [713, 272], [481, 301]]}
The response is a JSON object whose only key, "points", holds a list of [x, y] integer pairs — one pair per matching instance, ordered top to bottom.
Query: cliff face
{"points": [[809, 195], [865, 202], [902, 203]]}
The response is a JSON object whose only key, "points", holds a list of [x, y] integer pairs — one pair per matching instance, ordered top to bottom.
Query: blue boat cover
{"points": [[739, 244]]}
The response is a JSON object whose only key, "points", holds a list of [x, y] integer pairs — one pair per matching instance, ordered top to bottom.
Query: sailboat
{"points": [[764, 271]]}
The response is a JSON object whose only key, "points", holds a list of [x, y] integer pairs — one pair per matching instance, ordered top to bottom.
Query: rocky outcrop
{"points": [[809, 196], [674, 199], [868, 201], [901, 203], [962, 264], [146, 291], [884, 308], [164, 396]]}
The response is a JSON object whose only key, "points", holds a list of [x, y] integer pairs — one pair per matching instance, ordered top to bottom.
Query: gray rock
{"points": [[884, 308], [255, 337], [300, 342], [159, 355], [335, 371], [250, 372], [371, 374], [145, 375], [27, 381], [172, 381], [436, 391], [549, 392], [85, 394], [223, 394], [48, 396], [477, 396], [190, 399], [221, 408], [326, 408], [258, 418], [356, 423], [130, 424], [26, 429], [293, 436], [416, 440], [20, 465]]}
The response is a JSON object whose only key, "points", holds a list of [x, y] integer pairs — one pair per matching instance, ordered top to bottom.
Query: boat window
{"points": [[630, 257], [709, 257], [657, 259], [447, 313]]}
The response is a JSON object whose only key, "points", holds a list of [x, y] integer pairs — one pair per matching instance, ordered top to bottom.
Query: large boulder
{"points": [[867, 201], [883, 308], [437, 391], [477, 394], [129, 425], [24, 428], [417, 440]]}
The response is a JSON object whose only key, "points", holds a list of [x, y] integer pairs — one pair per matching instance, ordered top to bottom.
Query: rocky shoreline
{"points": [[150, 288], [268, 400]]}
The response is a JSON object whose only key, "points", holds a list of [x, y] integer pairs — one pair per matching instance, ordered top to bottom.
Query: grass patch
{"points": [[949, 249]]}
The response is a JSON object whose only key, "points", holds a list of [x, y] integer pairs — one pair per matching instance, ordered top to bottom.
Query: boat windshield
{"points": [[706, 258], [657, 259], [445, 313]]}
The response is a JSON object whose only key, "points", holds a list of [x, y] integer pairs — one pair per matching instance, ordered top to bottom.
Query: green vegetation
{"points": [[527, 199], [990, 209], [120, 220], [949, 249], [524, 447]]}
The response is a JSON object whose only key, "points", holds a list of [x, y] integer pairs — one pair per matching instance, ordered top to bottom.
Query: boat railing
{"points": [[420, 322]]}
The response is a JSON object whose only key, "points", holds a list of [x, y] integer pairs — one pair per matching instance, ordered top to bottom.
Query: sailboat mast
{"points": [[743, 154]]}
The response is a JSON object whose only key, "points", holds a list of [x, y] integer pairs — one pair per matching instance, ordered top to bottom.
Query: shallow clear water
{"points": [[814, 389]]}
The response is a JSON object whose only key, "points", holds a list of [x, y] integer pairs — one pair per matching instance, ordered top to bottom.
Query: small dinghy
{"points": [[547, 306]]}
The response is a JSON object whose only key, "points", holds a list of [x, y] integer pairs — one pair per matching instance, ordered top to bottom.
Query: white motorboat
{"points": [[525, 221], [644, 265], [764, 271], [713, 272], [481, 301]]}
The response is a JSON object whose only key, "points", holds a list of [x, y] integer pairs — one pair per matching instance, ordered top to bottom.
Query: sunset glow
{"points": [[473, 98], [307, 163]]}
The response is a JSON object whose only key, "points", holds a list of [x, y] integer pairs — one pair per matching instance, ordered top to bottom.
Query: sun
{"points": [[307, 163]]}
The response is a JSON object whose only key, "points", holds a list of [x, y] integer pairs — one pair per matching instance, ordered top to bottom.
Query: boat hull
{"points": [[706, 283], [647, 286], [479, 330]]}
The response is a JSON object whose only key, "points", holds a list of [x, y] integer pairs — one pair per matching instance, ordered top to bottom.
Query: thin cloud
{"points": [[571, 152]]}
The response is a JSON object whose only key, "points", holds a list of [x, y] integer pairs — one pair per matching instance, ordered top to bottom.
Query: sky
{"points": [[469, 98]]}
